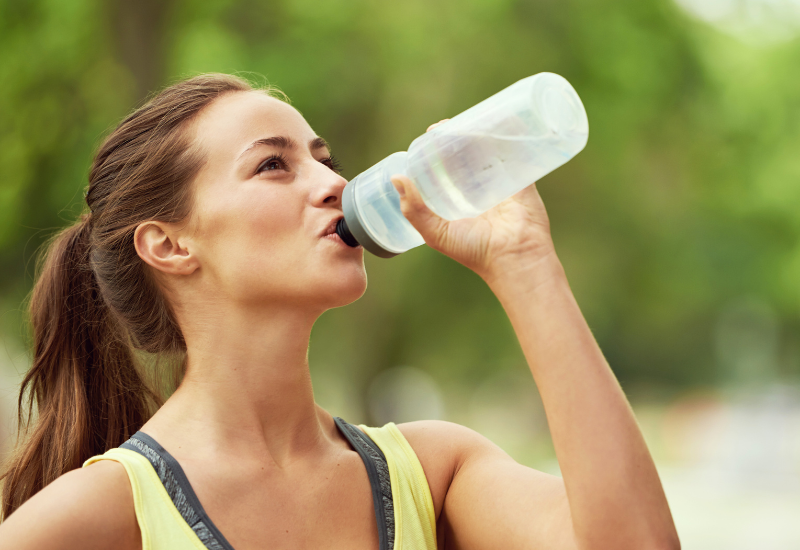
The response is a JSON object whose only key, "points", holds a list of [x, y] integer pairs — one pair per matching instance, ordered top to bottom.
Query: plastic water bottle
{"points": [[470, 163]]}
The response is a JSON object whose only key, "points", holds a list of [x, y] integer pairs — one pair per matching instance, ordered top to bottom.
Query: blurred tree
{"points": [[138, 33]]}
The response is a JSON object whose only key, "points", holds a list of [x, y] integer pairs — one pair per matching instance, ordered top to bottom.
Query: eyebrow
{"points": [[283, 142]]}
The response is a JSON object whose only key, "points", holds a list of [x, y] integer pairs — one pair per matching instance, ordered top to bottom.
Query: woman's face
{"points": [[266, 204]]}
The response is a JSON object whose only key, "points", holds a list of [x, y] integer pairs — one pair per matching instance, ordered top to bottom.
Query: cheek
{"points": [[268, 226], [252, 239]]}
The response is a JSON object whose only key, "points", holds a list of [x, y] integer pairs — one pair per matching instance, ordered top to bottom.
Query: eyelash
{"points": [[331, 162]]}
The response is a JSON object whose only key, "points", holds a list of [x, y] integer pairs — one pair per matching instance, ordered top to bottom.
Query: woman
{"points": [[210, 244]]}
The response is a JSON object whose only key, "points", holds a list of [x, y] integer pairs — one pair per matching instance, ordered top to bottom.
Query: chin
{"points": [[344, 288]]}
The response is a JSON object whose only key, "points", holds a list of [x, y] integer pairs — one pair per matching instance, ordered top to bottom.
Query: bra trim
{"points": [[378, 473], [179, 489]]}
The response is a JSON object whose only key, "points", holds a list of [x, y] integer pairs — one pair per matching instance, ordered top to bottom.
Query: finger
{"points": [[435, 124], [526, 192], [528, 196], [431, 226]]}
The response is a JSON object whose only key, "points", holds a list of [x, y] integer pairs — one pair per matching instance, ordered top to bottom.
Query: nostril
{"points": [[330, 199]]}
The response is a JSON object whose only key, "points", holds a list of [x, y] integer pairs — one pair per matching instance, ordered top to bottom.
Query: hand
{"points": [[514, 234]]}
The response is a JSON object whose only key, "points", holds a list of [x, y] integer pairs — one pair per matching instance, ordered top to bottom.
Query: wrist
{"points": [[514, 276]]}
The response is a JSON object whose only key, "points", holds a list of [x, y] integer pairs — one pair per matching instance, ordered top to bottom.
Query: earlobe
{"points": [[158, 246]]}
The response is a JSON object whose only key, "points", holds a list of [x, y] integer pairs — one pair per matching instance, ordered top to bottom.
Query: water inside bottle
{"points": [[499, 147], [464, 175]]}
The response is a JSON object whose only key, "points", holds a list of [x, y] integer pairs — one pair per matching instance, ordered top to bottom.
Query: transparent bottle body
{"points": [[479, 158]]}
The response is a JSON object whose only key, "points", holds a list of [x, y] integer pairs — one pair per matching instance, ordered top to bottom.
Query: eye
{"points": [[275, 162], [332, 163]]}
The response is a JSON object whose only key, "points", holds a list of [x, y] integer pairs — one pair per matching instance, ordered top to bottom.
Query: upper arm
{"points": [[483, 498], [87, 508]]}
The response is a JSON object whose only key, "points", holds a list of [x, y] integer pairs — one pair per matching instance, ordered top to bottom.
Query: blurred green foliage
{"points": [[684, 201]]}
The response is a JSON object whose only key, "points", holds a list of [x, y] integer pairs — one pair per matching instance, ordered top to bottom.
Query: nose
{"points": [[330, 189]]}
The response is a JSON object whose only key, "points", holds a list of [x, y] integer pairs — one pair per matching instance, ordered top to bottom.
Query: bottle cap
{"points": [[352, 230]]}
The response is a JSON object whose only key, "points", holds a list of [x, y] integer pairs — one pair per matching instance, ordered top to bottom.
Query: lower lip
{"points": [[334, 237]]}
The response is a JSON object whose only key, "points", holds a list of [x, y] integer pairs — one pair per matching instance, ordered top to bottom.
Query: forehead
{"points": [[232, 122]]}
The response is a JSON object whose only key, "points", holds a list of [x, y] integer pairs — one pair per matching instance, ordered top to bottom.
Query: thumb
{"points": [[431, 226]]}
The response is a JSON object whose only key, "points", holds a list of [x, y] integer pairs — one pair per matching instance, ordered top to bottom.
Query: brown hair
{"points": [[95, 303]]}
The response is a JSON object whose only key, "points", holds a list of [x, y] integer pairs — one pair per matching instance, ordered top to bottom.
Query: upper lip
{"points": [[331, 227]]}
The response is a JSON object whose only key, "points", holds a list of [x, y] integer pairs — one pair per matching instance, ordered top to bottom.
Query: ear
{"points": [[157, 243]]}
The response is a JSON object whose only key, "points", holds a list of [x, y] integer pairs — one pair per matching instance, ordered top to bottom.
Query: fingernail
{"points": [[401, 189]]}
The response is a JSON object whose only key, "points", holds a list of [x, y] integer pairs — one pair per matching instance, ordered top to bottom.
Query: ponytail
{"points": [[96, 308], [83, 385]]}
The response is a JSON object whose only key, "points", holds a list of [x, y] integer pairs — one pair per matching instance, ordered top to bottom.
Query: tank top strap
{"points": [[415, 519], [161, 525]]}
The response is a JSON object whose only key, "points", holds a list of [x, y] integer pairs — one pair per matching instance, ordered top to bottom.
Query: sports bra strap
{"points": [[415, 518]]}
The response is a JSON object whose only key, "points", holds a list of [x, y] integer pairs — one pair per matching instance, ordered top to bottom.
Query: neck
{"points": [[247, 384]]}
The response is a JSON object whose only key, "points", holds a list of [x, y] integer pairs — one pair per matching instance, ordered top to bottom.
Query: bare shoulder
{"points": [[440, 437], [442, 448], [479, 491], [86, 508]]}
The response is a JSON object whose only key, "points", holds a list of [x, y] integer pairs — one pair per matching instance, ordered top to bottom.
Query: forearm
{"points": [[614, 492]]}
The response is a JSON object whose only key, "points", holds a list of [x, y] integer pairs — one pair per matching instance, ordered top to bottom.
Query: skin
{"points": [[248, 275]]}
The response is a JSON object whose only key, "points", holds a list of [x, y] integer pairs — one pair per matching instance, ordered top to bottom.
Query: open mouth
{"points": [[330, 230], [333, 233]]}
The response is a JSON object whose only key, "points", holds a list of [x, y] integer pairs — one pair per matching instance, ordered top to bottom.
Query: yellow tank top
{"points": [[164, 528]]}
